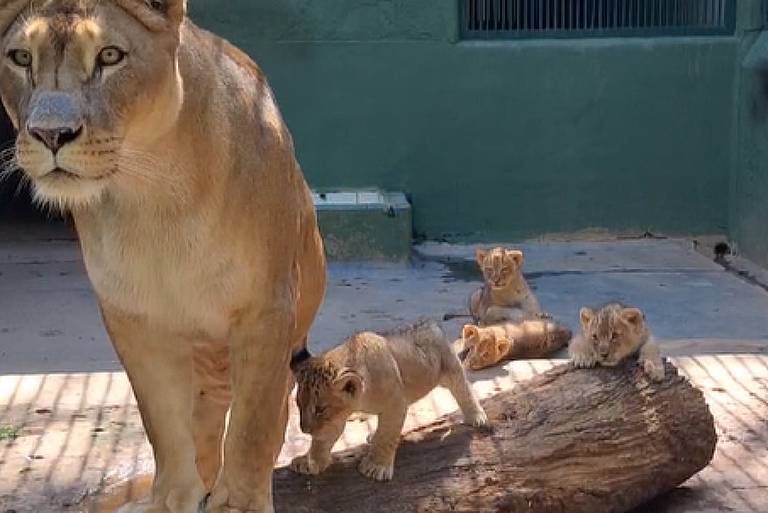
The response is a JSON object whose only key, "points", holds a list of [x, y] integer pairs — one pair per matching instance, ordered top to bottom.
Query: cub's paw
{"points": [[583, 361], [654, 369], [479, 420], [308, 466], [375, 471]]}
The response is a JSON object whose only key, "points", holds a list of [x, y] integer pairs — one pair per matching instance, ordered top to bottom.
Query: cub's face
{"points": [[84, 81], [501, 267], [614, 331], [482, 347], [326, 396]]}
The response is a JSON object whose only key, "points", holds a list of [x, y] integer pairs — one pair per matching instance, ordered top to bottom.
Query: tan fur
{"points": [[197, 228], [505, 296], [612, 334], [487, 346], [380, 375]]}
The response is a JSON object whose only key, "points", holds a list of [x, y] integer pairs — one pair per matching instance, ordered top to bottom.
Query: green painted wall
{"points": [[497, 140], [749, 179]]}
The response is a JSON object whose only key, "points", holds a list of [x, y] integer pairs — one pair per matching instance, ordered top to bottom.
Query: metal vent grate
{"points": [[513, 19]]}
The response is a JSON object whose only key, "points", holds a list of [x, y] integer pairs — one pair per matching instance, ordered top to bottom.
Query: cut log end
{"points": [[569, 440]]}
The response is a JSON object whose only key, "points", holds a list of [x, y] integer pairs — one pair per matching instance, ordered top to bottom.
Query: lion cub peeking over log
{"points": [[505, 296], [613, 333], [486, 346], [380, 375]]}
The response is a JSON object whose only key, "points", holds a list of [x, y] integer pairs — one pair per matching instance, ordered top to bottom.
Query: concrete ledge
{"points": [[365, 225]]}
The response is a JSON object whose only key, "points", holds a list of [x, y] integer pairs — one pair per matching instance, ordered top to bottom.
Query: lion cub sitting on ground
{"points": [[505, 296], [613, 333], [486, 346], [381, 375]]}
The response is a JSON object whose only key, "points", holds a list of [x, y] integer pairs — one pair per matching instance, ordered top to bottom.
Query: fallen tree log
{"points": [[567, 441]]}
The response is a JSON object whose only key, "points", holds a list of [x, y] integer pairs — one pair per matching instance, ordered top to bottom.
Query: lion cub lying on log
{"points": [[505, 296], [613, 333], [486, 346], [381, 375]]}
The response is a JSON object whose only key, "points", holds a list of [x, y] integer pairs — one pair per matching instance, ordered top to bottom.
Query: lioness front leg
{"points": [[260, 349], [159, 366], [212, 400], [379, 463]]}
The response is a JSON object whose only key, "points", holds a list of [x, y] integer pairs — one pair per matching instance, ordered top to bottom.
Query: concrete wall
{"points": [[497, 140], [749, 179]]}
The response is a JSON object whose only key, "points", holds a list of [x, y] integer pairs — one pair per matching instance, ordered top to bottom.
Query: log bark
{"points": [[567, 441]]}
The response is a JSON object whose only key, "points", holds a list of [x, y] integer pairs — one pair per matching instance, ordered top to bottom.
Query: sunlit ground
{"points": [[75, 441]]}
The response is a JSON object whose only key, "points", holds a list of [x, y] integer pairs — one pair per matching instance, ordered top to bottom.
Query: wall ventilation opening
{"points": [[519, 19]]}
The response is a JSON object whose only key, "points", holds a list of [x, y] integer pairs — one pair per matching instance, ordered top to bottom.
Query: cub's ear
{"points": [[9, 13], [480, 255], [517, 256], [586, 315], [632, 316], [470, 333], [503, 345], [299, 359], [349, 382]]}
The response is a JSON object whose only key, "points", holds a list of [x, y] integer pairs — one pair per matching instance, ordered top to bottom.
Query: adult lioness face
{"points": [[87, 84]]}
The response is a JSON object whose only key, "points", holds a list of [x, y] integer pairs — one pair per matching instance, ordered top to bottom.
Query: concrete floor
{"points": [[49, 321], [78, 427]]}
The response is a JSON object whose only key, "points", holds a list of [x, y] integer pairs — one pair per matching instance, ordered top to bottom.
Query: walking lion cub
{"points": [[612, 334], [380, 375]]}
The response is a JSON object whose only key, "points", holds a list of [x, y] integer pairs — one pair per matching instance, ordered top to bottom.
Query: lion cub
{"points": [[505, 296], [613, 333], [486, 346], [380, 375]]}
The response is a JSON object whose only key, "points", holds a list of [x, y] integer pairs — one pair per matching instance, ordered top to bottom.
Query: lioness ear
{"points": [[174, 10], [9, 12], [156, 15], [480, 255], [516, 255], [586, 315], [632, 316], [470, 332], [503, 345], [349, 382]]}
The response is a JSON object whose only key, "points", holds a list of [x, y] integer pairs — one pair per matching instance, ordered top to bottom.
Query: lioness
{"points": [[196, 225], [380, 374]]}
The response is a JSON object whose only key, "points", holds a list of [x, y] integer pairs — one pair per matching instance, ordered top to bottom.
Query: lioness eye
{"points": [[110, 56], [21, 58], [594, 337]]}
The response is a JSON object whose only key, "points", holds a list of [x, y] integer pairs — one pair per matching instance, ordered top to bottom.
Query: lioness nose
{"points": [[55, 138]]}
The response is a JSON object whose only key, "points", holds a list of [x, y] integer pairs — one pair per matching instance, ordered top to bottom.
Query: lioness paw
{"points": [[654, 370], [307, 466], [375, 471]]}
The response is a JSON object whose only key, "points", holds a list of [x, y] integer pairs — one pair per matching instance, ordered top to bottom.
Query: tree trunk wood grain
{"points": [[567, 441]]}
